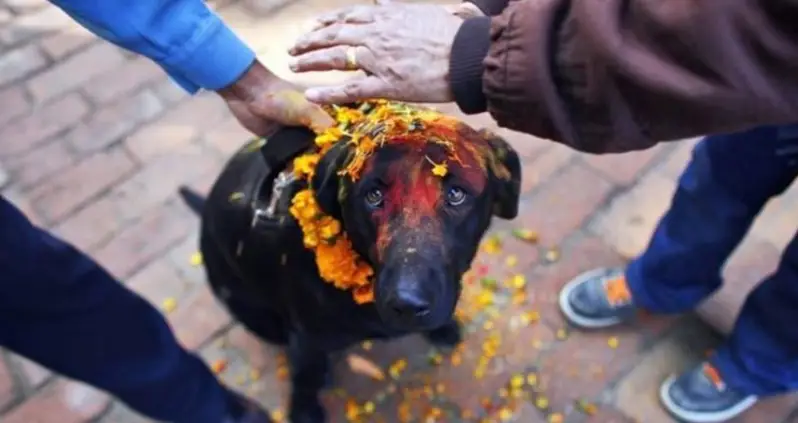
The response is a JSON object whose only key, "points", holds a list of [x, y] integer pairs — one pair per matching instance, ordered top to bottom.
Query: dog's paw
{"points": [[448, 335], [307, 411]]}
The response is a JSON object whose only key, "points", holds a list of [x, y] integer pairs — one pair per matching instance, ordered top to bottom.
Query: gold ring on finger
{"points": [[351, 58]]}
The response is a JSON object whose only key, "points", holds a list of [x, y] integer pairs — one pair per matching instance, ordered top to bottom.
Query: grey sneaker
{"points": [[597, 299], [701, 396]]}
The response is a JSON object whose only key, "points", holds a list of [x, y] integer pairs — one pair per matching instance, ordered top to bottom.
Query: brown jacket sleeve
{"points": [[619, 75]]}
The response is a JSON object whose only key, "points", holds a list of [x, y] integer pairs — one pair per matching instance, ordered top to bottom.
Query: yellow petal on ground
{"points": [[526, 235], [493, 245], [552, 255], [196, 259], [511, 261], [488, 283], [169, 305], [530, 317], [613, 342], [218, 366], [365, 367], [282, 373], [542, 402], [586, 407], [278, 416], [556, 418]]}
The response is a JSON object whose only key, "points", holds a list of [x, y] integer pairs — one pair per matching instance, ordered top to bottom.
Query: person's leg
{"points": [[725, 185], [62, 310], [760, 357]]}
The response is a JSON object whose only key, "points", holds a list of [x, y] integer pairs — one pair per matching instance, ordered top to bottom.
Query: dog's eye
{"points": [[455, 196], [374, 198]]}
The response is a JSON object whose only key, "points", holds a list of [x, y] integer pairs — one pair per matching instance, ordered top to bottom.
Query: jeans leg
{"points": [[724, 187], [62, 310], [761, 355]]}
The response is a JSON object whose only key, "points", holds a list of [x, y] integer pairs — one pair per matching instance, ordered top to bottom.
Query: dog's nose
{"points": [[407, 304]]}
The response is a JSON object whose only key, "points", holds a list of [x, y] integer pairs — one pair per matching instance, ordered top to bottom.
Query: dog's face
{"points": [[418, 229]]}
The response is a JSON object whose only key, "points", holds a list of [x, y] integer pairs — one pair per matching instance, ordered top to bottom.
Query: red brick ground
{"points": [[95, 142]]}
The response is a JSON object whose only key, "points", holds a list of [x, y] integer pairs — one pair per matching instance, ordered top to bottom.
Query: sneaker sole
{"points": [[572, 315], [699, 417]]}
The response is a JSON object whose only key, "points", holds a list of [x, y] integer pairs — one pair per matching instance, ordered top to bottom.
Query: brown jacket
{"points": [[619, 75]]}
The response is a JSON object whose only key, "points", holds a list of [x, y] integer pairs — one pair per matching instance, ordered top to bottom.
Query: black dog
{"points": [[418, 231]]}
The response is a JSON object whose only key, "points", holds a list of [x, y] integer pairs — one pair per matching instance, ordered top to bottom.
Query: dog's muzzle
{"points": [[413, 297]]}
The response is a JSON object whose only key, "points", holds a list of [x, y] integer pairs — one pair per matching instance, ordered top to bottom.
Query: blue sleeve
{"points": [[185, 37]]}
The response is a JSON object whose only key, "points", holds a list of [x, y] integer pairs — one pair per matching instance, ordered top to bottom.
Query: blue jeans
{"points": [[725, 186], [62, 310]]}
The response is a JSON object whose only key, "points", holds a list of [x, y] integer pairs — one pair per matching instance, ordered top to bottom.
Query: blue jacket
{"points": [[187, 39]]}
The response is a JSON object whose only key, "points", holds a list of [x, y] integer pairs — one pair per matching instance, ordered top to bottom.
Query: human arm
{"points": [[198, 51], [599, 75], [614, 75]]}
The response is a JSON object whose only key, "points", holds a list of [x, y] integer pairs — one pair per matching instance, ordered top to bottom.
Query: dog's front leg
{"points": [[310, 370]]}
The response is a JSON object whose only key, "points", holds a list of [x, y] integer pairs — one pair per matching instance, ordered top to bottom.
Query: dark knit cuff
{"points": [[469, 50]]}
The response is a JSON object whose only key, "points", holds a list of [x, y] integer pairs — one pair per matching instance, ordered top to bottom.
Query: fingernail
{"points": [[293, 65], [313, 94]]}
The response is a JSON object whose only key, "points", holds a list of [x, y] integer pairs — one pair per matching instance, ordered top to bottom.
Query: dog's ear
{"points": [[505, 176], [326, 182]]}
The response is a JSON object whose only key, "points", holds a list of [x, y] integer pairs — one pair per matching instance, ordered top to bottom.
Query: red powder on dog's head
{"points": [[435, 147]]}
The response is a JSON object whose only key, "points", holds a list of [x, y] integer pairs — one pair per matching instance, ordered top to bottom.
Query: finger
{"points": [[355, 14], [333, 35], [334, 58], [361, 89], [290, 107], [317, 119]]}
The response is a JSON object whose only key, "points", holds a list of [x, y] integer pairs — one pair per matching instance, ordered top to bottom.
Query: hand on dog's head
{"points": [[420, 231]]}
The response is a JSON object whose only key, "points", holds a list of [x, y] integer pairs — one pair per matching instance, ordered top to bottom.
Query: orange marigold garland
{"points": [[366, 128]]}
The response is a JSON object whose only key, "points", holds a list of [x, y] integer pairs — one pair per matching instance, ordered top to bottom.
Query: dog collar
{"points": [[277, 152]]}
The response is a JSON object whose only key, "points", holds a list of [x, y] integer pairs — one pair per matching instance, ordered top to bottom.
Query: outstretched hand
{"points": [[403, 49], [262, 102]]}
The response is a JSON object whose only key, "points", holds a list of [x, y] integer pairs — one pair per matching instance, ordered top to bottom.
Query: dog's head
{"points": [[419, 225]]}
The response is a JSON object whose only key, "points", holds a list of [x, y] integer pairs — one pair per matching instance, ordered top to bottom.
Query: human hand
{"points": [[404, 50], [262, 102]]}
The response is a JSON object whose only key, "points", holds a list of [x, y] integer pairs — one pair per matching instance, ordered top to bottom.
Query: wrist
{"points": [[255, 81]]}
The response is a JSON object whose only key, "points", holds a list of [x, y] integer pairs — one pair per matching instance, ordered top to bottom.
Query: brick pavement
{"points": [[95, 142]]}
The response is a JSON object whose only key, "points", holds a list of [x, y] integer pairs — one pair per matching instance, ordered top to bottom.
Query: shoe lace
{"points": [[617, 291], [714, 376]]}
